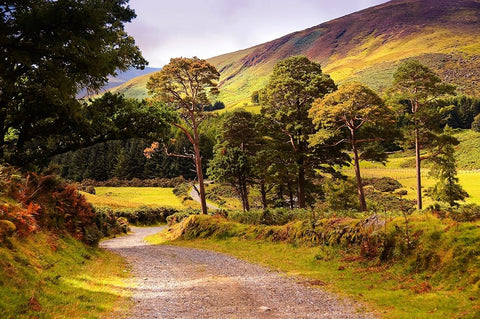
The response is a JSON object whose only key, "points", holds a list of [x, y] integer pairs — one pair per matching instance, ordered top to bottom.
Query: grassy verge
{"points": [[133, 197], [44, 276], [439, 278]]}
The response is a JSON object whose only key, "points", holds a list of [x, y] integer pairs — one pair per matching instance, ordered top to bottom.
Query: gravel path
{"points": [[196, 197], [176, 282]]}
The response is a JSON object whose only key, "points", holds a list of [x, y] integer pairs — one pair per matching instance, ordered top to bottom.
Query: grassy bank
{"points": [[45, 276], [438, 277]]}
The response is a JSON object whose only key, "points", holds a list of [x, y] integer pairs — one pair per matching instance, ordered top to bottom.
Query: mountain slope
{"points": [[367, 46], [121, 78]]}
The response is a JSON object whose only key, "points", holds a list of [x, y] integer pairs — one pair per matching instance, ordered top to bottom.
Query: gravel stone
{"points": [[176, 282]]}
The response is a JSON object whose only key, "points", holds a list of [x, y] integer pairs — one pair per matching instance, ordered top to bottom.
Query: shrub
{"points": [[476, 123], [384, 184], [182, 190], [341, 195], [464, 213], [181, 215], [145, 216], [271, 216], [23, 219], [109, 224]]}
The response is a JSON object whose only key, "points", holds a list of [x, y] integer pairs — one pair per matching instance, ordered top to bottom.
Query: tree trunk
{"points": [[3, 116], [198, 165], [418, 169], [358, 176], [301, 183], [263, 191], [290, 192], [245, 203]]}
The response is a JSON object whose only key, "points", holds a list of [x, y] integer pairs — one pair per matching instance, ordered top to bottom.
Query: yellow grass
{"points": [[406, 176], [132, 197]]}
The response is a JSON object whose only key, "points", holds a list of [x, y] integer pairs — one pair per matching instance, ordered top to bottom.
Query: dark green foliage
{"points": [[51, 49], [294, 84], [421, 88], [255, 97], [218, 105], [462, 111], [356, 116], [111, 117], [120, 160], [235, 162], [232, 165], [444, 168], [135, 182], [384, 184], [182, 189], [341, 195], [387, 202], [144, 216], [270, 216]]}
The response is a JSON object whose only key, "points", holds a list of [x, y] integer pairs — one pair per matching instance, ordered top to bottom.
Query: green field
{"points": [[470, 180], [132, 197]]}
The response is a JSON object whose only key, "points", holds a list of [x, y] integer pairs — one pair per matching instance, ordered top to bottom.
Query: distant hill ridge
{"points": [[366, 46]]}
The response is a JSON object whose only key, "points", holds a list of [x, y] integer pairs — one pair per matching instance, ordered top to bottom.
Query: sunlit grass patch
{"points": [[133, 197], [48, 277]]}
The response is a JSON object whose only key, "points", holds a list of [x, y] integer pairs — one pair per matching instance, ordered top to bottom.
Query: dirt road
{"points": [[176, 282]]}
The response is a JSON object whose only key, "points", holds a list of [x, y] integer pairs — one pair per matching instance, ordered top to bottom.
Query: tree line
{"points": [[308, 126]]}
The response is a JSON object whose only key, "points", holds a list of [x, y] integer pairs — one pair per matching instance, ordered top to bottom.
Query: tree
{"points": [[51, 49], [185, 84], [294, 84], [420, 87], [255, 97], [357, 109], [235, 159], [232, 165], [447, 189]]}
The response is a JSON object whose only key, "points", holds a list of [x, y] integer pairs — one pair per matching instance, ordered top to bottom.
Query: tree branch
{"points": [[190, 138], [192, 157]]}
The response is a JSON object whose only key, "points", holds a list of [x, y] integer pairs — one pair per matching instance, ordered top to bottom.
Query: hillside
{"points": [[366, 46], [121, 78]]}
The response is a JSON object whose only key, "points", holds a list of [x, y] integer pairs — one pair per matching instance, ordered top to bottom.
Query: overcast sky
{"points": [[206, 28]]}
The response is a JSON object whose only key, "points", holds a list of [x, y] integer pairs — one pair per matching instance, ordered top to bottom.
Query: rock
{"points": [[264, 309]]}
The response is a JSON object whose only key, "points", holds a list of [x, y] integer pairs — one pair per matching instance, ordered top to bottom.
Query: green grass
{"points": [[468, 151], [134, 197], [44, 276], [449, 289]]}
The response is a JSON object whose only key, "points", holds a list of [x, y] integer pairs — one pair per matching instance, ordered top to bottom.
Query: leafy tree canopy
{"points": [[50, 50], [185, 84], [294, 84], [420, 87], [356, 115]]}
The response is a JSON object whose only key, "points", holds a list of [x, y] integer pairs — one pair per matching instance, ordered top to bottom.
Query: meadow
{"points": [[469, 179], [133, 197]]}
